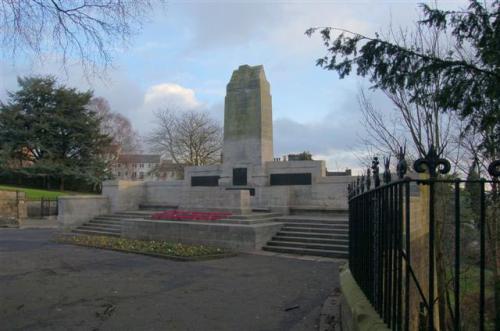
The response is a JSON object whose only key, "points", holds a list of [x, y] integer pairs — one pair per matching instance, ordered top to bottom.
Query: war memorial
{"points": [[261, 193]]}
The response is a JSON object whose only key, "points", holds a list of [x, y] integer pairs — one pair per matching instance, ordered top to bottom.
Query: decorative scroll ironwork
{"points": [[432, 163], [494, 169]]}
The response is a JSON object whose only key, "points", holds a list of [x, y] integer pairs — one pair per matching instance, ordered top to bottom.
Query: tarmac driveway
{"points": [[49, 286]]}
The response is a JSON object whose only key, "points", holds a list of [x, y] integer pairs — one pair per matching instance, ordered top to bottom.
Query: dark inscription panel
{"points": [[239, 176], [291, 179], [205, 181]]}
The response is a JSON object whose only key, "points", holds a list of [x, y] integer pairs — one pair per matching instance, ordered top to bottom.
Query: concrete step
{"points": [[318, 211], [135, 213], [119, 216], [312, 219], [107, 220], [104, 224], [317, 225], [100, 228], [314, 230], [96, 232], [312, 235], [327, 241], [331, 247], [306, 251]]}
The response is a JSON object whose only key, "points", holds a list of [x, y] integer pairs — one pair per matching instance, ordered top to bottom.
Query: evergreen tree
{"points": [[51, 128], [474, 190]]}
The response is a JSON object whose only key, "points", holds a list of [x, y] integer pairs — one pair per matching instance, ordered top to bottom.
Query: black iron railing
{"points": [[381, 257]]}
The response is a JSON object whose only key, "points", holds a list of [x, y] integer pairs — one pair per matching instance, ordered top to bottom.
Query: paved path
{"points": [[49, 286]]}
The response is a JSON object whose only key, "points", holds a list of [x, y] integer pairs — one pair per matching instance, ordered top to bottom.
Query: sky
{"points": [[184, 56]]}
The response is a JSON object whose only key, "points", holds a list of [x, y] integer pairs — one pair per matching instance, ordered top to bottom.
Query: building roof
{"points": [[138, 158], [169, 165]]}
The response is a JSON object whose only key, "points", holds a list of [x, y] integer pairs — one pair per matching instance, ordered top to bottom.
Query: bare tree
{"points": [[86, 30], [117, 126], [418, 126], [188, 138]]}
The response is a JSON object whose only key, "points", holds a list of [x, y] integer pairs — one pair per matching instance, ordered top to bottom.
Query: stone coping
{"points": [[77, 197], [357, 312]]}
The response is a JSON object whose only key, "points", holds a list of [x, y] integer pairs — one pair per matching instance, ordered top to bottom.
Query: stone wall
{"points": [[164, 193], [124, 194], [215, 198], [12, 207], [74, 210], [232, 236]]}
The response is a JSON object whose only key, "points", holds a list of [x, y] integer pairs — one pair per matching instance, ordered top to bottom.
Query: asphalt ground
{"points": [[50, 286]]}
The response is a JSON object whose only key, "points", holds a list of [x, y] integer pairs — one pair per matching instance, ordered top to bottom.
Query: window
{"points": [[141, 165], [119, 174], [141, 175], [239, 176]]}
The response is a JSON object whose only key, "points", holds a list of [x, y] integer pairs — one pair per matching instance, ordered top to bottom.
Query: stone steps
{"points": [[313, 219], [111, 224], [332, 226], [313, 230], [96, 232], [311, 235], [327, 241], [306, 251]]}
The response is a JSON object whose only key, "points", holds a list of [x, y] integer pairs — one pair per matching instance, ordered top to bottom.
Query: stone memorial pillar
{"points": [[248, 128]]}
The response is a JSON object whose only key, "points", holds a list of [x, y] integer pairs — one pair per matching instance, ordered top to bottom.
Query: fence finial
{"points": [[432, 162], [402, 166], [387, 172], [376, 178], [368, 179]]}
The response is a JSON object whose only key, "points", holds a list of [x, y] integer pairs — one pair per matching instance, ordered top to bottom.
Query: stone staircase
{"points": [[111, 224], [312, 235]]}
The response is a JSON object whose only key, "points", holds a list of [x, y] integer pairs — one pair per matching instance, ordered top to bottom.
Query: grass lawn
{"points": [[36, 194], [157, 248]]}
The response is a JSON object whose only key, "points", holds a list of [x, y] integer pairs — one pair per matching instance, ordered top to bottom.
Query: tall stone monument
{"points": [[248, 126]]}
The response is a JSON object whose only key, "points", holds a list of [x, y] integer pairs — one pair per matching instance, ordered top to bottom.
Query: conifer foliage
{"points": [[47, 129]]}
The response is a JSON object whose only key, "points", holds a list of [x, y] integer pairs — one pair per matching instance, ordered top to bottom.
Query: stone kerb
{"points": [[74, 210]]}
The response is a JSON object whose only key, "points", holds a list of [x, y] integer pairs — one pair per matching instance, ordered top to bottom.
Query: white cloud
{"points": [[170, 95]]}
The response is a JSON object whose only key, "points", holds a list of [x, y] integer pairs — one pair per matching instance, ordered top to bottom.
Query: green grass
{"points": [[36, 194], [158, 248]]}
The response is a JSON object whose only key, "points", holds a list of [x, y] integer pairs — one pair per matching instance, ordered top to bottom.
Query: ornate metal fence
{"points": [[380, 243]]}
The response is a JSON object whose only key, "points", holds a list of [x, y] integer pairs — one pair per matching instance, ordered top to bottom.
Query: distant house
{"points": [[135, 166], [145, 167], [168, 170]]}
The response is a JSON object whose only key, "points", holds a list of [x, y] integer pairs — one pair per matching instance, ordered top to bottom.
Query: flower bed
{"points": [[190, 215], [159, 248]]}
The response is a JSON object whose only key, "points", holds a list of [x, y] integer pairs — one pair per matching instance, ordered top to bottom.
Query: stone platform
{"points": [[237, 232]]}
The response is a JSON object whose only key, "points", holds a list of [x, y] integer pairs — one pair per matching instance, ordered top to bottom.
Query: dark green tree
{"points": [[469, 74], [49, 131], [474, 189]]}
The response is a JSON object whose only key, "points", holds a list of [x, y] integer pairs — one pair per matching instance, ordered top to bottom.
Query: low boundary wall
{"points": [[74, 210], [243, 238], [356, 312]]}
